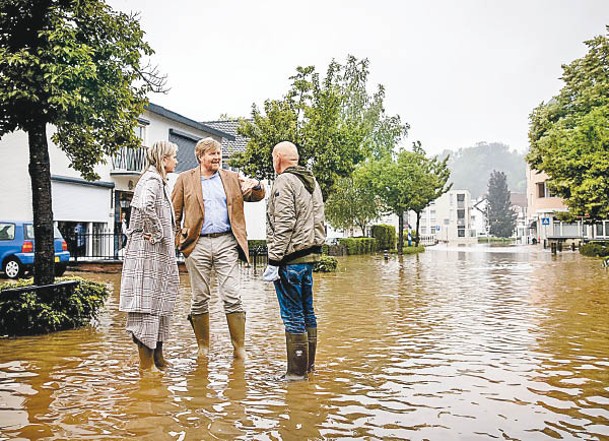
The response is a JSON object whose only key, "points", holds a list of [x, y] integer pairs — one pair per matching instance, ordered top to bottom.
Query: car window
{"points": [[7, 231], [28, 231], [57, 233]]}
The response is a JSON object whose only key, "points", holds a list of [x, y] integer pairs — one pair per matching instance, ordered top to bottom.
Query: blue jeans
{"points": [[295, 295]]}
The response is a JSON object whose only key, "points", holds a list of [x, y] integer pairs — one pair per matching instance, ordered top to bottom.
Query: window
{"points": [[140, 132], [543, 191], [461, 197], [7, 231], [461, 232]]}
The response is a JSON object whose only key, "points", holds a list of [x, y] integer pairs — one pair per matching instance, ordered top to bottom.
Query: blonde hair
{"points": [[204, 145], [155, 155]]}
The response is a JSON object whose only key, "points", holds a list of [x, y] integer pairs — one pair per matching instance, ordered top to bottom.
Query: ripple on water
{"points": [[455, 343]]}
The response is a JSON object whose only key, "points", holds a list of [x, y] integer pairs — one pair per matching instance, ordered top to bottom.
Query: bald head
{"points": [[285, 154]]}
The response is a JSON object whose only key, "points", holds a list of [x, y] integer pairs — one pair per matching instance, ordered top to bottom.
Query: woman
{"points": [[149, 284]]}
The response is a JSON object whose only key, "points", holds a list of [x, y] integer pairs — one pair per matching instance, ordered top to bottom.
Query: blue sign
{"points": [[545, 221], [437, 227]]}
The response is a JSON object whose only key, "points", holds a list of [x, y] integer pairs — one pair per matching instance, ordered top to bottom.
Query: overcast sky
{"points": [[458, 71]]}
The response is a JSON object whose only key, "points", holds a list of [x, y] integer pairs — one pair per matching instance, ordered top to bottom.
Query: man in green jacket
{"points": [[295, 235]]}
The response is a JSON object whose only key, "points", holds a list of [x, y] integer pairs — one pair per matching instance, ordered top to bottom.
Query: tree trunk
{"points": [[40, 176], [400, 233], [416, 237]]}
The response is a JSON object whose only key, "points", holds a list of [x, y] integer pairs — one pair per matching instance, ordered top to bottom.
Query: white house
{"points": [[97, 207], [450, 218]]}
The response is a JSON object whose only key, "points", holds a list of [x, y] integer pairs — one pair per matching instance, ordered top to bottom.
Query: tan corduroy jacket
{"points": [[189, 209]]}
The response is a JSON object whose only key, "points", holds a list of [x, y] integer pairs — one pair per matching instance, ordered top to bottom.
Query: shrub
{"points": [[385, 237], [252, 244], [359, 245], [413, 249], [595, 249], [327, 264], [29, 313]]}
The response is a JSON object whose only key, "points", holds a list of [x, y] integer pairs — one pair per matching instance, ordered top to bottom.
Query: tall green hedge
{"points": [[385, 237], [359, 245], [29, 313]]}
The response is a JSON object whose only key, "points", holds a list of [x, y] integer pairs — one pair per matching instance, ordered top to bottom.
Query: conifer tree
{"points": [[499, 214]]}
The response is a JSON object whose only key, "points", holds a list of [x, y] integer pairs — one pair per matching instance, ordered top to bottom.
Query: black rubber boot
{"points": [[312, 334], [297, 347], [159, 359]]}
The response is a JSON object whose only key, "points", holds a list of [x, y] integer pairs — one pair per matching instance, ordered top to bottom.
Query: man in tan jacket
{"points": [[211, 233]]}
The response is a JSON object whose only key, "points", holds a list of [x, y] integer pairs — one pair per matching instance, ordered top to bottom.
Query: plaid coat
{"points": [[150, 279]]}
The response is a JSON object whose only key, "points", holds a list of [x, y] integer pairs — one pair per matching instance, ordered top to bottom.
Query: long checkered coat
{"points": [[150, 278]]}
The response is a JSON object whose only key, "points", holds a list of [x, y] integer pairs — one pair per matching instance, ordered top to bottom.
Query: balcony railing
{"points": [[128, 160]]}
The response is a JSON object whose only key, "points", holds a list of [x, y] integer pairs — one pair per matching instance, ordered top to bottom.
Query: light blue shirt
{"points": [[214, 198]]}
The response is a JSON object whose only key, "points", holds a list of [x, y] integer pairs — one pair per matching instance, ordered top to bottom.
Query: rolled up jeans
{"points": [[295, 295]]}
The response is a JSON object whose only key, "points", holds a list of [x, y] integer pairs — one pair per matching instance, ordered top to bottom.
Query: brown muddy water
{"points": [[472, 343]]}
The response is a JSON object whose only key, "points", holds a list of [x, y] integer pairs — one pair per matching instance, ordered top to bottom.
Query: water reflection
{"points": [[455, 343]]}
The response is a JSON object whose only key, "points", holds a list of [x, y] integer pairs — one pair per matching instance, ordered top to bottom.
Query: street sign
{"points": [[545, 221]]}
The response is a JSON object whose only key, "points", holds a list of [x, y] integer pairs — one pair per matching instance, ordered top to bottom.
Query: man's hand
{"points": [[248, 184], [271, 273]]}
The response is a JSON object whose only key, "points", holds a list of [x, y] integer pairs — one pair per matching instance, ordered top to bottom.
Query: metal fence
{"points": [[111, 246]]}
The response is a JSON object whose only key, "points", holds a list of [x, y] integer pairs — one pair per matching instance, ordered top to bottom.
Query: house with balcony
{"points": [[543, 207], [543, 211], [89, 213], [450, 218]]}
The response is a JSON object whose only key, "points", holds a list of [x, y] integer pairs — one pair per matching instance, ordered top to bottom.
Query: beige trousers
{"points": [[221, 255]]}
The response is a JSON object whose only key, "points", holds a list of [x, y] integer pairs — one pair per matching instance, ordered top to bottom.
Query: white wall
{"points": [[16, 194]]}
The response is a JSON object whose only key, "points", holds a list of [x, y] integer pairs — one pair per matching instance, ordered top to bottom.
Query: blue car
{"points": [[17, 249]]}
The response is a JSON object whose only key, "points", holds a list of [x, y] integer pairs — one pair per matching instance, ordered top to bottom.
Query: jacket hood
{"points": [[305, 176]]}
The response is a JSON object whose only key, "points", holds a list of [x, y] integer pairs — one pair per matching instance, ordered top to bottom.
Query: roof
{"points": [[155, 108], [229, 146], [519, 199]]}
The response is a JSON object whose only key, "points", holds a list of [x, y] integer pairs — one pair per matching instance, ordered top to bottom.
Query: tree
{"points": [[74, 65], [335, 122], [569, 135], [410, 181], [432, 183], [352, 203], [499, 214]]}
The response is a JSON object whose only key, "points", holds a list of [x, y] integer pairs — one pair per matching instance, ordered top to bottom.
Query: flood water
{"points": [[457, 343]]}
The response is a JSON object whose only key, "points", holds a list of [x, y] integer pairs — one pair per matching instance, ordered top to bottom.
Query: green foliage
{"points": [[75, 65], [335, 122], [569, 135], [470, 167], [410, 181], [351, 203], [499, 214], [385, 236], [251, 244], [359, 245], [413, 249], [595, 249], [327, 264], [29, 313]]}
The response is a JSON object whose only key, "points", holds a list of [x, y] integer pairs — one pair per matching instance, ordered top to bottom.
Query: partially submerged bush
{"points": [[595, 249], [327, 264], [30, 313]]}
